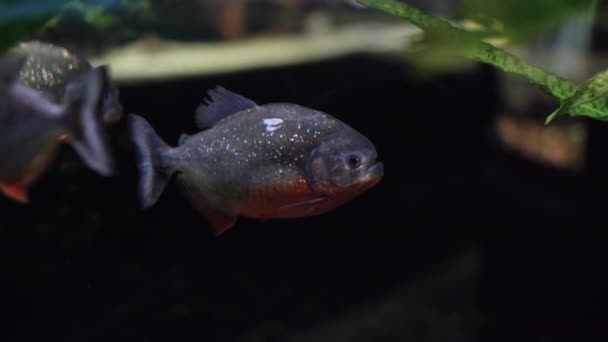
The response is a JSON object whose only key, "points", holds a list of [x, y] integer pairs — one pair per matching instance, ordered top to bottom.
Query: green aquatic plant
{"points": [[107, 15], [19, 18], [520, 20], [590, 98]]}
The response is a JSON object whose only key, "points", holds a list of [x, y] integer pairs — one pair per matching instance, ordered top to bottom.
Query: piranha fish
{"points": [[62, 75], [30, 125], [278, 160]]}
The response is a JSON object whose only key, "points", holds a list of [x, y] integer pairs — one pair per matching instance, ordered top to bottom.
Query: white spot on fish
{"points": [[272, 124]]}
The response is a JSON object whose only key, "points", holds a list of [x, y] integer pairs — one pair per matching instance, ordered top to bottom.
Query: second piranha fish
{"points": [[61, 75], [30, 125], [278, 160]]}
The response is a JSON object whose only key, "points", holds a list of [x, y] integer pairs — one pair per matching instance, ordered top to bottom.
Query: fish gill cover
{"points": [[513, 21]]}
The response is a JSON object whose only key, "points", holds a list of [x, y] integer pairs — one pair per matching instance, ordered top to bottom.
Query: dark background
{"points": [[82, 262]]}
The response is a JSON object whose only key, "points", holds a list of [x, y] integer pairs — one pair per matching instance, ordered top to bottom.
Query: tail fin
{"points": [[88, 138], [149, 150]]}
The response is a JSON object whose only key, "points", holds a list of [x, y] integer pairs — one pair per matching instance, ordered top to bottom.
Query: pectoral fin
{"points": [[301, 209]]}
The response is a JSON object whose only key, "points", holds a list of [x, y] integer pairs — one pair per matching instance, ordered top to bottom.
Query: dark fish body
{"points": [[61, 75], [30, 125], [278, 160]]}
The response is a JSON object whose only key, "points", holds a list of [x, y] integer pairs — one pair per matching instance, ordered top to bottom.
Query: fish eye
{"points": [[353, 161]]}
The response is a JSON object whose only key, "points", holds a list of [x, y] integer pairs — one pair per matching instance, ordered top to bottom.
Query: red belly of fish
{"points": [[17, 188], [280, 200]]}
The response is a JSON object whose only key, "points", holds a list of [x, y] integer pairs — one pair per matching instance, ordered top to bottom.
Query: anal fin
{"points": [[16, 191], [220, 222]]}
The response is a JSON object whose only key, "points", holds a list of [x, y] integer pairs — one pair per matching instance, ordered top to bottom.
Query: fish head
{"points": [[344, 163]]}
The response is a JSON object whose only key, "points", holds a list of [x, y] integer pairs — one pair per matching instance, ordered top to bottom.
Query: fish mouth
{"points": [[373, 175]]}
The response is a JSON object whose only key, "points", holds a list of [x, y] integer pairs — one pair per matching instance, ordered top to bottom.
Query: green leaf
{"points": [[112, 17], [19, 18], [524, 19], [14, 32], [477, 49], [551, 83], [588, 91], [588, 99], [596, 109]]}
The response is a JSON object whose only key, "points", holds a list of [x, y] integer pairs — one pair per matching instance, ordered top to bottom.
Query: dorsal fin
{"points": [[222, 103]]}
